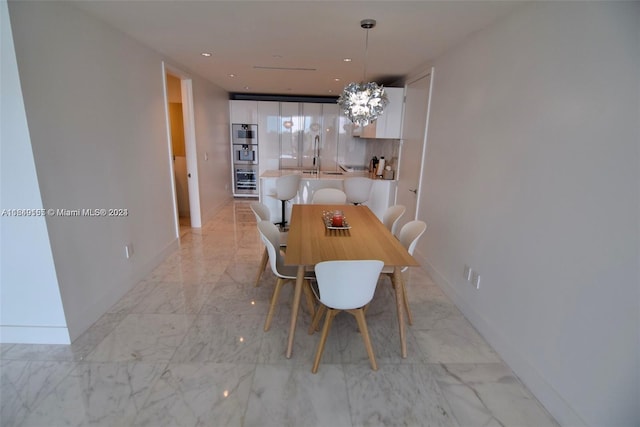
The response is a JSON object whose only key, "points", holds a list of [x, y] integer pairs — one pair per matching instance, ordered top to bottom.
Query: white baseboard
{"points": [[34, 335], [535, 381]]}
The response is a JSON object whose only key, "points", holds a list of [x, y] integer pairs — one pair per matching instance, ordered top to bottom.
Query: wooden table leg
{"points": [[397, 280], [297, 294]]}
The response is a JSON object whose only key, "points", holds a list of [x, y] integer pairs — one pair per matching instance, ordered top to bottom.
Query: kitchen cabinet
{"points": [[243, 111], [389, 124], [268, 135], [308, 136]]}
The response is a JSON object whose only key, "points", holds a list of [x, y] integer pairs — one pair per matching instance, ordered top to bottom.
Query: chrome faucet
{"points": [[316, 154]]}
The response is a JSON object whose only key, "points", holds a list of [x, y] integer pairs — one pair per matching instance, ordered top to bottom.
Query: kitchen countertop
{"points": [[313, 176]]}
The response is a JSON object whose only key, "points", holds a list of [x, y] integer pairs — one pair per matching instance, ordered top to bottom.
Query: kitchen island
{"points": [[383, 192]]}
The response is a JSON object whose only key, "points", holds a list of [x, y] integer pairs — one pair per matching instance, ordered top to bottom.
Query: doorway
{"points": [[414, 139], [182, 149], [178, 152]]}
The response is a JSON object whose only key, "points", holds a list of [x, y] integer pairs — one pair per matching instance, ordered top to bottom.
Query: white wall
{"points": [[96, 114], [532, 178], [31, 307]]}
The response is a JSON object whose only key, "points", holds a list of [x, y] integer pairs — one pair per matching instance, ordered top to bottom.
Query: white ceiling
{"points": [[312, 36]]}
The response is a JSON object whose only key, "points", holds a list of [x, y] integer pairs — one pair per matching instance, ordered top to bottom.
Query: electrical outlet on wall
{"points": [[128, 250], [467, 273], [475, 279]]}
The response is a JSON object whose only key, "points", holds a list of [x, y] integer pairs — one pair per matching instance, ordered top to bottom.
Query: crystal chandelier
{"points": [[363, 102]]}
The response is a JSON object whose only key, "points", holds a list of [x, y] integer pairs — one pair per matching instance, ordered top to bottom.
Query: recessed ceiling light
{"points": [[207, 54], [347, 59], [232, 75], [336, 79], [246, 87], [330, 91]]}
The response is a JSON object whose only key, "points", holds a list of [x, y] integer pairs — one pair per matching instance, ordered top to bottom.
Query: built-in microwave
{"points": [[242, 133], [245, 154]]}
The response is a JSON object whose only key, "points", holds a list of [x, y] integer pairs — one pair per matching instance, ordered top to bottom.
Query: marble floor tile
{"points": [[133, 297], [175, 298], [230, 298], [436, 314], [143, 337], [221, 338], [385, 340], [458, 343], [4, 347], [25, 384], [104, 394], [198, 394], [489, 394], [290, 395], [396, 395]]}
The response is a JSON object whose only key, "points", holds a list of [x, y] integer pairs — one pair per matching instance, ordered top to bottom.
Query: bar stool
{"points": [[286, 189], [358, 189]]}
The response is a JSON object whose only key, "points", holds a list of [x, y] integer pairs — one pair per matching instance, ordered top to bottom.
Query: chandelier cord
{"points": [[366, 54]]}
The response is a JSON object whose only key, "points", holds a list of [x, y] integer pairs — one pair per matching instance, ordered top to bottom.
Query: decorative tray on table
{"points": [[327, 218]]}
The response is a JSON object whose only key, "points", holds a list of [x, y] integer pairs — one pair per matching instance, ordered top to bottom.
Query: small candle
{"points": [[336, 221]]}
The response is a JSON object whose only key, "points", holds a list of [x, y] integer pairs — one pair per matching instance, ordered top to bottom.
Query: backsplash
{"points": [[387, 148]]}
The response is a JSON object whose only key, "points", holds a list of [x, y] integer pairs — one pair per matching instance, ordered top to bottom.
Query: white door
{"points": [[186, 90], [414, 132], [192, 156]]}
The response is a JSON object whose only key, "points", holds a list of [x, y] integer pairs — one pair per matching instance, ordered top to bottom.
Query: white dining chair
{"points": [[286, 189], [358, 189], [329, 196], [262, 213], [391, 216], [270, 235], [409, 235], [345, 286]]}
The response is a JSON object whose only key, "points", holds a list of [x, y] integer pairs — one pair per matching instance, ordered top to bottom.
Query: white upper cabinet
{"points": [[243, 111], [389, 124], [269, 135]]}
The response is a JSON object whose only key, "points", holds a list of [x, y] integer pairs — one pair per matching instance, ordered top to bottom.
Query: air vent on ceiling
{"points": [[262, 67]]}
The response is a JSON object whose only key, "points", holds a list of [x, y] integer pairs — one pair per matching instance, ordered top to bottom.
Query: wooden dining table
{"points": [[310, 241]]}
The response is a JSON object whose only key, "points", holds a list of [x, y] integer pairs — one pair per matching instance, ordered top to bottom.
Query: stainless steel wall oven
{"points": [[244, 152]]}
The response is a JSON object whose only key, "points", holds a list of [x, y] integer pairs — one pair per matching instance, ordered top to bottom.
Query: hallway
{"points": [[185, 347]]}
